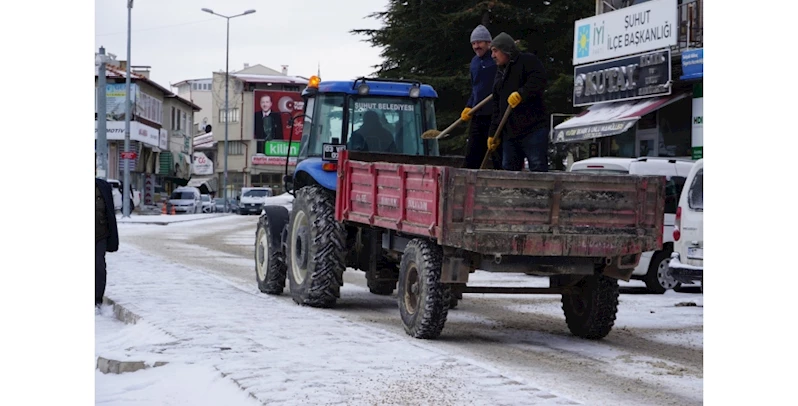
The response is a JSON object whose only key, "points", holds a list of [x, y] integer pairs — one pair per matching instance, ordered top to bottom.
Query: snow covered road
{"points": [[495, 349]]}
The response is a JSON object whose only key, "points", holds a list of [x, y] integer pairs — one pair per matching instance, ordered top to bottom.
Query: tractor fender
{"points": [[278, 220]]}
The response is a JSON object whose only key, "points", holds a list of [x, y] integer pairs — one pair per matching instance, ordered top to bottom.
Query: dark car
{"points": [[218, 204]]}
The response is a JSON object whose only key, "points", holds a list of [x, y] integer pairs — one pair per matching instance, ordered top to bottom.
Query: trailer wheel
{"points": [[315, 250], [270, 265], [382, 288], [423, 299], [591, 313]]}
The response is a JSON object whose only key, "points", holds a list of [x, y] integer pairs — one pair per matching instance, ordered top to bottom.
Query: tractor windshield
{"points": [[373, 123], [389, 125]]}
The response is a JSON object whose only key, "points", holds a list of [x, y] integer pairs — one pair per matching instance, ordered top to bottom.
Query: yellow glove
{"points": [[514, 99], [466, 114], [493, 143]]}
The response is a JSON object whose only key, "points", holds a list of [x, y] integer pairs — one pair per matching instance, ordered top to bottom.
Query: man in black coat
{"points": [[520, 82], [106, 235]]}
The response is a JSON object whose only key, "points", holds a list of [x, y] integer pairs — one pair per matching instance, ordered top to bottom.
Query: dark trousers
{"points": [[477, 144], [534, 146], [99, 270]]}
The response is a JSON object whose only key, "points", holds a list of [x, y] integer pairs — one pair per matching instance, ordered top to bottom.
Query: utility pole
{"points": [[128, 116], [102, 135]]}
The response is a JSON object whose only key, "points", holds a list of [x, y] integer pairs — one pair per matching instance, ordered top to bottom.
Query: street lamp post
{"points": [[226, 96], [102, 137], [126, 180]]}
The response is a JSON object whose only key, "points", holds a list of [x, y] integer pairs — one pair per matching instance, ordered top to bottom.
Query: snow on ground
{"points": [[164, 219], [286, 354], [177, 383]]}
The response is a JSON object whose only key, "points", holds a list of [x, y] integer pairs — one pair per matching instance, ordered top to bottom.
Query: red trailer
{"points": [[438, 223]]}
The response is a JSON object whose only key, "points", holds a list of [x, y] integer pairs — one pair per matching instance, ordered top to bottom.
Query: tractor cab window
{"points": [[323, 122], [390, 125]]}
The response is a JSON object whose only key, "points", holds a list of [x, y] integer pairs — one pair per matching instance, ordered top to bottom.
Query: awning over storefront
{"points": [[607, 119], [199, 181]]}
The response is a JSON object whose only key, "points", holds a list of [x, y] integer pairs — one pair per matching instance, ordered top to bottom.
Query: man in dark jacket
{"points": [[483, 72], [520, 82], [106, 235]]}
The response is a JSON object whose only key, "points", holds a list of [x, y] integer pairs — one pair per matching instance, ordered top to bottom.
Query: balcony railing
{"points": [[691, 25]]}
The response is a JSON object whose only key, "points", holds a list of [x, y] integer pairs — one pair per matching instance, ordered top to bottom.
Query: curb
{"points": [[110, 366]]}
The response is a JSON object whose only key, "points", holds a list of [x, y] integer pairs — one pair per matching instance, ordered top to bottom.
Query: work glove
{"points": [[514, 99], [466, 114], [493, 143]]}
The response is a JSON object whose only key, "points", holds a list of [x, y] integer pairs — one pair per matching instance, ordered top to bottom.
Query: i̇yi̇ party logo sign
{"points": [[583, 43]]}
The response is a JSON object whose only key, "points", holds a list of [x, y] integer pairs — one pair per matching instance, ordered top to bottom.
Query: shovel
{"points": [[435, 134], [497, 136]]}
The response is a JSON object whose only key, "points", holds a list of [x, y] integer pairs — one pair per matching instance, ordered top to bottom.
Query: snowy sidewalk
{"points": [[165, 219], [281, 353]]}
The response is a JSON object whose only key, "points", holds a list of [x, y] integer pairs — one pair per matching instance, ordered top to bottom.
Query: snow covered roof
{"points": [[270, 79]]}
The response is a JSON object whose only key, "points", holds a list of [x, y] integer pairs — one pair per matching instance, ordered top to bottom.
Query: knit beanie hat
{"points": [[480, 34], [505, 43]]}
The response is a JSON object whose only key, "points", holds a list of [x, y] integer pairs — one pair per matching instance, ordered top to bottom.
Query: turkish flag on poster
{"points": [[274, 112]]}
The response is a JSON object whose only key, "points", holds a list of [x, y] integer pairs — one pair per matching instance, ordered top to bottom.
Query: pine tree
{"points": [[427, 40]]}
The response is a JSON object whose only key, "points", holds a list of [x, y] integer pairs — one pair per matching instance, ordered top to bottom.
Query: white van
{"points": [[186, 199], [253, 199], [687, 261], [653, 266]]}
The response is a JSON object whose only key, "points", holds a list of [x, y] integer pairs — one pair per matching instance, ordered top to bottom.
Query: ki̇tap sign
{"points": [[630, 30]]}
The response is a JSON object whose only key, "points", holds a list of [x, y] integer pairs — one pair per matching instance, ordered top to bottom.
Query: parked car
{"points": [[116, 191], [186, 199], [253, 199], [207, 204], [687, 261], [653, 266]]}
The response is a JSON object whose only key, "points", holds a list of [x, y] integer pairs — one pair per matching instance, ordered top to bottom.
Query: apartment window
{"points": [[291, 88], [148, 107], [234, 115], [175, 119], [183, 120], [233, 148]]}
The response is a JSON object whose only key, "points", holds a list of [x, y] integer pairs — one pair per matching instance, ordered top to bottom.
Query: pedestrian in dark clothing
{"points": [[483, 72], [520, 82], [106, 235]]}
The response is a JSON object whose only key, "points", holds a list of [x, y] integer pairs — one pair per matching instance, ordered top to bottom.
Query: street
{"points": [[502, 349]]}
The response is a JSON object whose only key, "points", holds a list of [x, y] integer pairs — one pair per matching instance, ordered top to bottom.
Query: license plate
{"points": [[695, 253]]}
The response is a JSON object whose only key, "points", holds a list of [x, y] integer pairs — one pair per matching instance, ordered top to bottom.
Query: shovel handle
{"points": [[445, 133], [497, 134]]}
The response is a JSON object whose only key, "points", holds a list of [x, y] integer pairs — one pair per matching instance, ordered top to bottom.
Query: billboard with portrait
{"points": [[274, 111]]}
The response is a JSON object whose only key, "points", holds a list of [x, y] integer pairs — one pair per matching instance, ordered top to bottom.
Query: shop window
{"points": [[675, 129], [621, 145]]}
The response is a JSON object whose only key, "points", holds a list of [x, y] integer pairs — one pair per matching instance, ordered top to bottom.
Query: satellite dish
{"points": [[204, 121]]}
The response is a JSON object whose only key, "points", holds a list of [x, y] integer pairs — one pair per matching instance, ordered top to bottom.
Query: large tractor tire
{"points": [[315, 250], [270, 267], [423, 299], [591, 313]]}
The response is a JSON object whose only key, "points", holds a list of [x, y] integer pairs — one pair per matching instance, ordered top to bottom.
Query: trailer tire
{"points": [[315, 249], [270, 267], [382, 288], [423, 300], [591, 313]]}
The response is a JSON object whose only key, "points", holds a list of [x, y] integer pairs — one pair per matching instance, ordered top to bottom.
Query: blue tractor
{"points": [[307, 245]]}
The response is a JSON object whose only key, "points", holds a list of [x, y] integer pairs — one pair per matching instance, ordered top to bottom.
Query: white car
{"points": [[116, 192], [207, 204], [687, 261], [653, 266]]}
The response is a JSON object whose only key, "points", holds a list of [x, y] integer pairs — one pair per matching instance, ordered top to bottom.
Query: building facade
{"points": [[638, 74], [262, 105], [160, 160]]}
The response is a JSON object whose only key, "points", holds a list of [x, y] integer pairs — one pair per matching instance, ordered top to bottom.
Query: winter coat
{"points": [[483, 73], [524, 73], [105, 217]]}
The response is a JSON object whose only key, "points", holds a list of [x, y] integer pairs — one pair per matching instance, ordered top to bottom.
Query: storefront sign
{"points": [[630, 30], [693, 64], [628, 78], [698, 128], [115, 131], [591, 131], [163, 139], [280, 148], [271, 160], [201, 165]]}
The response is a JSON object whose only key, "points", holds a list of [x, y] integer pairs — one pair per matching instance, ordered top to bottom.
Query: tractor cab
{"points": [[377, 116]]}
